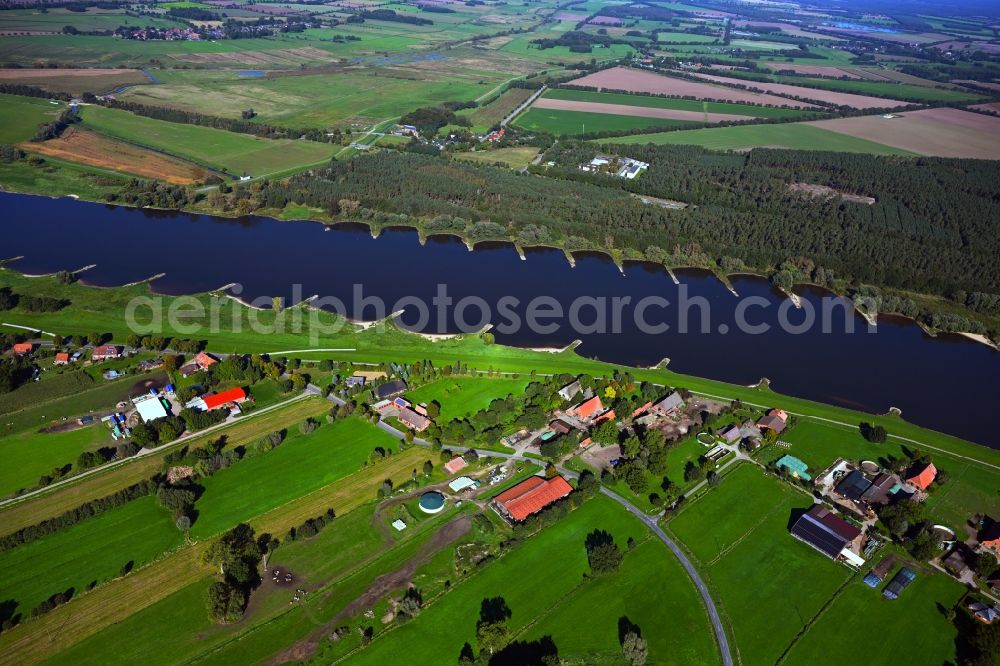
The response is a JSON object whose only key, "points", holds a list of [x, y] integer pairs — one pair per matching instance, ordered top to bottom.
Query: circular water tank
{"points": [[431, 502]]}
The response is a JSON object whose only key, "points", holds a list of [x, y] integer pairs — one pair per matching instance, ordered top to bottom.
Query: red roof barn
{"points": [[22, 348], [221, 399], [587, 409], [924, 478], [530, 497]]}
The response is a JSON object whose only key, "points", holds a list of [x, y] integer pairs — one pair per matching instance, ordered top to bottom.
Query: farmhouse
{"points": [[23, 348], [104, 352], [63, 358], [204, 361], [189, 369], [354, 380], [390, 389], [569, 391], [382, 405], [669, 405], [587, 409], [412, 420], [771, 422], [731, 434], [455, 464], [923, 476], [853, 486], [878, 491], [530, 497], [831, 535], [990, 537], [983, 613]]}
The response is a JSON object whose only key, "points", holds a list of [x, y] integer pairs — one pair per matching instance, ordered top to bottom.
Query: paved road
{"points": [[525, 104]]}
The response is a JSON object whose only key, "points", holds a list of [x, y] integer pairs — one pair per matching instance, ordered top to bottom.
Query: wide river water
{"points": [[947, 383]]}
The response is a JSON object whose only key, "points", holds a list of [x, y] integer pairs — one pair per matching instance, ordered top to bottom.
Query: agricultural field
{"points": [[32, 21], [75, 81], [639, 81], [919, 91], [824, 96], [654, 102], [490, 114], [23, 115], [557, 122], [943, 132], [797, 136], [93, 149], [218, 149], [463, 396]]}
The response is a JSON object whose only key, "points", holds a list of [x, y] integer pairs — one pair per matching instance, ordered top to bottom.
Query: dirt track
{"points": [[635, 80], [627, 110], [943, 132]]}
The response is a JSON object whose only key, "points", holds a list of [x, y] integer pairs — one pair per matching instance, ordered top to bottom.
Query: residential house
{"points": [[23, 348], [104, 352], [63, 358], [204, 361], [189, 369], [354, 380], [390, 389], [570, 391], [669, 405], [587, 409], [641, 410], [606, 416], [412, 420], [771, 422], [731, 434], [455, 465], [922, 476], [853, 486], [529, 497], [827, 533], [990, 537], [956, 563], [983, 613]]}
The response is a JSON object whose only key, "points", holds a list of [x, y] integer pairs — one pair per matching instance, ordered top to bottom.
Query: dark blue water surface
{"points": [[947, 383]]}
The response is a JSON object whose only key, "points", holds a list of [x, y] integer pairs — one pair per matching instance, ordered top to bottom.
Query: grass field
{"points": [[887, 89], [670, 103], [488, 115], [22, 116], [570, 123], [788, 135], [219, 149], [517, 157], [461, 396], [92, 551], [548, 569]]}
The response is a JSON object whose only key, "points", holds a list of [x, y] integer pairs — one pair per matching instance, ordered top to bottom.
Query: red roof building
{"points": [[22, 348], [105, 351], [62, 358], [203, 360], [222, 399], [587, 409], [642, 410], [606, 416], [455, 464], [924, 478], [530, 497], [991, 537]]}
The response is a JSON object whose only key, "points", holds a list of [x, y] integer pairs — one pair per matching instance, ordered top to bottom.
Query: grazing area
{"points": [[75, 81], [629, 110], [22, 116], [571, 122], [943, 132], [514, 158], [463, 396]]}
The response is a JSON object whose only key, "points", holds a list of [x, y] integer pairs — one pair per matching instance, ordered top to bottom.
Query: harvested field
{"points": [[986, 47], [289, 57], [814, 70], [634, 80], [75, 81], [826, 96], [991, 107], [642, 111], [942, 132], [92, 149]]}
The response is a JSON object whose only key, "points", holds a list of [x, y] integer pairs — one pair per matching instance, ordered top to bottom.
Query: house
{"points": [[23, 348], [104, 352], [204, 361], [189, 369], [354, 380], [390, 389], [569, 391], [207, 403], [401, 403], [382, 405], [669, 405], [587, 409], [641, 410], [780, 413], [606, 416], [412, 420], [771, 422], [560, 427], [731, 434], [455, 464], [795, 467], [923, 476], [461, 483], [853, 486], [878, 491], [529, 497], [827, 533], [990, 537], [955, 563], [898, 583], [983, 613]]}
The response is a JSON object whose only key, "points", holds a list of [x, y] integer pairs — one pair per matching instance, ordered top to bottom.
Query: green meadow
{"points": [[22, 116], [568, 123], [795, 136], [219, 149], [462, 396]]}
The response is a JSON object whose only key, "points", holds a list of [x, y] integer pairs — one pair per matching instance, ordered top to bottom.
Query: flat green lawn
{"points": [[670, 103], [22, 116], [571, 123], [789, 135], [228, 151], [461, 396], [302, 464], [91, 551], [535, 579], [909, 630]]}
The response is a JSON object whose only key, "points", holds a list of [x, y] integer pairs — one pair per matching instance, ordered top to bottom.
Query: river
{"points": [[947, 383]]}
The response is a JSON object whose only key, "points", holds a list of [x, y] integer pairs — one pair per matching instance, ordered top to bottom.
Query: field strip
{"points": [[639, 111], [725, 551], [105, 605], [814, 618]]}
